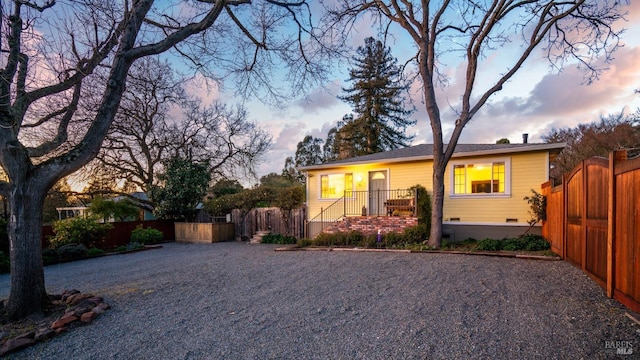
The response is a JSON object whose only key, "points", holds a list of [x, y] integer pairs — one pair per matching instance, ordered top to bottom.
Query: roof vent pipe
{"points": [[525, 138]]}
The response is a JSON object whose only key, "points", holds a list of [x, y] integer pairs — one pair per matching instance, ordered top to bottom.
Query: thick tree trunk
{"points": [[437, 205], [28, 295]]}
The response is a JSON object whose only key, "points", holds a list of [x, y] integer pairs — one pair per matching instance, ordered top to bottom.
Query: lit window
{"points": [[488, 177], [335, 186]]}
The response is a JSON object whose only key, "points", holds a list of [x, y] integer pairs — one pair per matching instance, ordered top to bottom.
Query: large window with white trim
{"points": [[487, 177], [334, 186]]}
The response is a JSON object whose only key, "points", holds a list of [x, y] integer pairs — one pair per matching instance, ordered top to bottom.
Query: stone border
{"points": [[481, 253], [81, 309]]}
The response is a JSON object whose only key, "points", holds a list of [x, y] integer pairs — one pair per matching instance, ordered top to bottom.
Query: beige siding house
{"points": [[485, 186]]}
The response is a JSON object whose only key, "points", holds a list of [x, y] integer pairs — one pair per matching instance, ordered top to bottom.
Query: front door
{"points": [[377, 192]]}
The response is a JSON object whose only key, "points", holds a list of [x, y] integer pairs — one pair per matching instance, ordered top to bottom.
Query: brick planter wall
{"points": [[371, 224]]}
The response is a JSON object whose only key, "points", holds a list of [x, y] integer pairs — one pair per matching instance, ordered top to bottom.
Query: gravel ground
{"points": [[241, 301]]}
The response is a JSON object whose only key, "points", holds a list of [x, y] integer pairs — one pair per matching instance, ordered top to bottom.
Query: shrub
{"points": [[86, 231], [416, 234], [146, 236], [278, 239], [392, 239], [304, 242], [535, 242], [513, 244], [489, 245], [134, 246], [72, 251], [95, 252], [49, 255]]}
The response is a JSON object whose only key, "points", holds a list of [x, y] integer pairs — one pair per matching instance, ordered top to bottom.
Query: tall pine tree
{"points": [[378, 102]]}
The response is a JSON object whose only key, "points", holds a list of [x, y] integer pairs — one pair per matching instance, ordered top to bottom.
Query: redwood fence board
{"points": [[593, 222], [120, 234]]}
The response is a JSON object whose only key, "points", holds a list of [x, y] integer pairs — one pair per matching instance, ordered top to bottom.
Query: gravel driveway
{"points": [[244, 301]]}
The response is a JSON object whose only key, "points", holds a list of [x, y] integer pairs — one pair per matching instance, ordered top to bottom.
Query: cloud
{"points": [[320, 98]]}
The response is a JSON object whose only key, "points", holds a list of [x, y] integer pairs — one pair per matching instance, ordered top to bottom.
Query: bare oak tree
{"points": [[468, 34], [54, 56], [157, 120]]}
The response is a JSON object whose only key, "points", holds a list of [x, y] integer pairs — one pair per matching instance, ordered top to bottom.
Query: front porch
{"points": [[368, 212]]}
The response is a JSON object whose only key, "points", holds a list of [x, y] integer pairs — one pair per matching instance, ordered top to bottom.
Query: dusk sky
{"points": [[536, 100]]}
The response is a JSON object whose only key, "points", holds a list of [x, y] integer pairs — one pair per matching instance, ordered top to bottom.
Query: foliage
{"points": [[479, 30], [377, 98], [55, 117], [611, 133], [503, 141], [308, 152], [273, 180], [184, 186], [225, 187], [56, 197], [538, 205], [423, 206], [121, 209], [79, 230], [417, 234], [146, 236], [278, 239], [304, 242], [528, 242], [535, 242], [513, 244], [489, 245], [134, 246], [72, 251], [95, 252]]}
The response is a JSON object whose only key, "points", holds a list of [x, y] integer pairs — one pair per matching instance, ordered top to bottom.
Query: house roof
{"points": [[425, 152]]}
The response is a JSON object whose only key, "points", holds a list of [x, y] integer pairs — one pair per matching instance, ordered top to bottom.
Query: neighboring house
{"points": [[485, 186], [139, 199]]}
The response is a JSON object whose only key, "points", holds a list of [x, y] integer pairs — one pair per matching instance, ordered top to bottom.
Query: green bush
{"points": [[86, 231], [416, 234], [146, 236], [278, 239], [391, 240], [305, 242], [535, 242], [513, 244], [489, 245], [134, 246], [72, 251], [96, 252], [49, 255]]}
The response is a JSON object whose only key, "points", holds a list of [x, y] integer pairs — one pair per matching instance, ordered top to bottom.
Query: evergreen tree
{"points": [[377, 99]]}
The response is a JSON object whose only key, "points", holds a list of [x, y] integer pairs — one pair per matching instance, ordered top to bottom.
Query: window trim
{"points": [[335, 173], [507, 177]]}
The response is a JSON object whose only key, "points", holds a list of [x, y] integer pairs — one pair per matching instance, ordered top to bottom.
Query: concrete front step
{"points": [[257, 237]]}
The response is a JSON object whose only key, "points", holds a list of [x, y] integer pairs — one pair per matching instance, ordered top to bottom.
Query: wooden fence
{"points": [[269, 219], [593, 222], [120, 234]]}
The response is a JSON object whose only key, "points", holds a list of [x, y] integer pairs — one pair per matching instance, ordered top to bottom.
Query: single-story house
{"points": [[485, 186], [138, 199]]}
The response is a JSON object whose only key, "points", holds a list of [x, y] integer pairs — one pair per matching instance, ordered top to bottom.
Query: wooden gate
{"points": [[594, 223]]}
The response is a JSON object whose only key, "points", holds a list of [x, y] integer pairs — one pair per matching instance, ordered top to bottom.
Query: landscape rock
{"points": [[82, 309], [88, 316], [64, 320], [16, 344]]}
